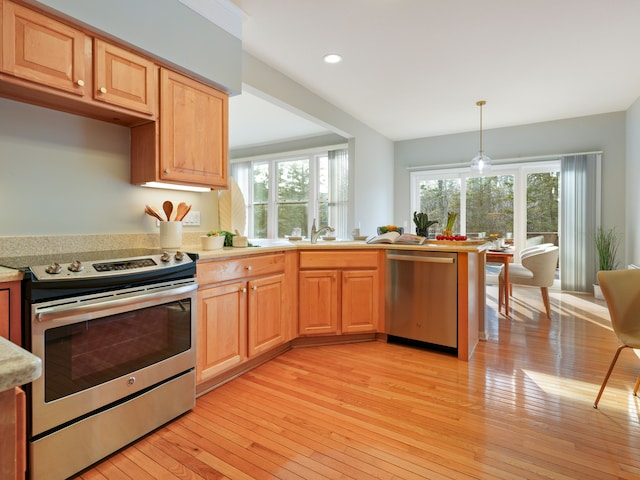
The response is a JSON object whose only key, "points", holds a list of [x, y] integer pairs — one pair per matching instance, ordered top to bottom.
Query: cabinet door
{"points": [[37, 48], [124, 79], [193, 132], [360, 296], [318, 302], [4, 313], [266, 313], [221, 328]]}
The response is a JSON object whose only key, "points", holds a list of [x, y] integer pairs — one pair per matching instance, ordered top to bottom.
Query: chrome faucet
{"points": [[316, 233]]}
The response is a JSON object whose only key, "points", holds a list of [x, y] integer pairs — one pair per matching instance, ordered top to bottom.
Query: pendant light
{"points": [[481, 163]]}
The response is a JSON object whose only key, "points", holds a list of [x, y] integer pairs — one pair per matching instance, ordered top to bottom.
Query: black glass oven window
{"points": [[89, 353]]}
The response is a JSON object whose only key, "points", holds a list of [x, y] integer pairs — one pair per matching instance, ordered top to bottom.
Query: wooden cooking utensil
{"points": [[167, 206], [182, 211], [154, 212]]}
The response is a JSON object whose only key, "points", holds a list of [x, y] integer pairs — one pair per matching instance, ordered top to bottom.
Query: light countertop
{"points": [[266, 246], [9, 275], [17, 366]]}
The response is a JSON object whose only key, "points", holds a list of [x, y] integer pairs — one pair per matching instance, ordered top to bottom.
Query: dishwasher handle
{"points": [[423, 259]]}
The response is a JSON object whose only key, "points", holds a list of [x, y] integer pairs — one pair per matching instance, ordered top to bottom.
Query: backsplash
{"points": [[50, 244]]}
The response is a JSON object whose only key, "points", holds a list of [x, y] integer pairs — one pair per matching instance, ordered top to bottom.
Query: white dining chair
{"points": [[537, 268]]}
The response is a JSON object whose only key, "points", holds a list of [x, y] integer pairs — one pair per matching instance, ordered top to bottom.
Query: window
{"points": [[291, 191], [518, 201]]}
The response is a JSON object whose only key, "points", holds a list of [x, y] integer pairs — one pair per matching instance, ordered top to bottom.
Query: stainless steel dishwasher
{"points": [[422, 297]]}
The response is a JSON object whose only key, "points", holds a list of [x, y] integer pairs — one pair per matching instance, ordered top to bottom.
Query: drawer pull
{"points": [[80, 83], [102, 90], [248, 267], [254, 287], [243, 290]]}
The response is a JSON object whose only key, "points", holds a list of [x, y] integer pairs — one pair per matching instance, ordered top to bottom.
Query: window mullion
{"points": [[313, 190], [272, 207]]}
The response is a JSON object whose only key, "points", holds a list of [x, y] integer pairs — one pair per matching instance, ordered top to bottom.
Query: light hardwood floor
{"points": [[521, 408]]}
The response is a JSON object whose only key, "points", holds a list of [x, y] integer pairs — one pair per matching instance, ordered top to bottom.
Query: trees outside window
{"points": [[289, 192], [293, 196], [520, 199]]}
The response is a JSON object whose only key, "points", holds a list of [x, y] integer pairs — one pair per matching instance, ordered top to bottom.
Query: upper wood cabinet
{"points": [[40, 49], [50, 63], [124, 79], [193, 131], [188, 144]]}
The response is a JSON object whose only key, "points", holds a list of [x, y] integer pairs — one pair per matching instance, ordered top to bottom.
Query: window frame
{"points": [[246, 186]]}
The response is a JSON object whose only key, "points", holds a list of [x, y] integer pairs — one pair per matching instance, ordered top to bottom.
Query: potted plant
{"points": [[423, 223], [215, 240], [606, 241]]}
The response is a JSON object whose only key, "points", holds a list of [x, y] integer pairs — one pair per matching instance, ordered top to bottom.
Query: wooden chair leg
{"points": [[500, 293], [545, 300], [606, 378], [635, 389]]}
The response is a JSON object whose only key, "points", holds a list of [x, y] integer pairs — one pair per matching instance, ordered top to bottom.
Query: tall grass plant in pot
{"points": [[606, 241]]}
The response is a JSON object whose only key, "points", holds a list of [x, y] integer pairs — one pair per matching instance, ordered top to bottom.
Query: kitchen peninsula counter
{"points": [[470, 263]]}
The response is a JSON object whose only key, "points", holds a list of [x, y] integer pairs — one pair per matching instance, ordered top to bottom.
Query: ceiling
{"points": [[415, 68]]}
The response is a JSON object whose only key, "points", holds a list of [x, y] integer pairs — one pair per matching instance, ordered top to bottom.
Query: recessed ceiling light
{"points": [[332, 58]]}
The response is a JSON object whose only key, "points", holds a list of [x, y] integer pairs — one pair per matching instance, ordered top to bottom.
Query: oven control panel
{"points": [[120, 266]]}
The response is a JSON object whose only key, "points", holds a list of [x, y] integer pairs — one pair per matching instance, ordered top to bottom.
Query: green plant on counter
{"points": [[451, 220], [422, 221], [228, 236], [606, 241]]}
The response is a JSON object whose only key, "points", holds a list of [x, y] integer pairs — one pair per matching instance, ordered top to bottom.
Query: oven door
{"points": [[103, 348]]}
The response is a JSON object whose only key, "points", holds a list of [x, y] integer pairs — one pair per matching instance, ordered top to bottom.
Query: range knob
{"points": [[179, 256], [165, 257], [76, 266], [53, 269]]}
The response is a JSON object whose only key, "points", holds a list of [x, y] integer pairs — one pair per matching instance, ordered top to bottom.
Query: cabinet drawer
{"points": [[339, 259], [224, 270]]}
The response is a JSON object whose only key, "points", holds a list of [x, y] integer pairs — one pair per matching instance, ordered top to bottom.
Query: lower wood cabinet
{"points": [[339, 292], [245, 308], [10, 311], [222, 328], [13, 434]]}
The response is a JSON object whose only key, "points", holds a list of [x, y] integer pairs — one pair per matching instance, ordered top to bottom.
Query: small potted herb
{"points": [[423, 223], [215, 240]]}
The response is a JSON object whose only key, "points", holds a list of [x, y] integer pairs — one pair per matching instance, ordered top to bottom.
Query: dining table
{"points": [[505, 257]]}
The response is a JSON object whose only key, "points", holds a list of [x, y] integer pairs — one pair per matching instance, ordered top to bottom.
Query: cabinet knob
{"points": [[80, 83], [102, 90], [167, 170], [249, 267], [254, 287], [243, 290]]}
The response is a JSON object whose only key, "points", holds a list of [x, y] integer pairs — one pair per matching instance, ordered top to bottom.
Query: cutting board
{"points": [[232, 210]]}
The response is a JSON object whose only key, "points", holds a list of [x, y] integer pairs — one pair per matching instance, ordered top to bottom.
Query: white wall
{"points": [[593, 133], [370, 152], [64, 174], [633, 184]]}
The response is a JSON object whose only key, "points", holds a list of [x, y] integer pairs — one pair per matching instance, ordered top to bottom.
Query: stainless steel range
{"points": [[117, 340]]}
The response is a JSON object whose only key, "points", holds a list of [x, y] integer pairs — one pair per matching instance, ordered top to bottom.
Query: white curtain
{"points": [[339, 191], [579, 218]]}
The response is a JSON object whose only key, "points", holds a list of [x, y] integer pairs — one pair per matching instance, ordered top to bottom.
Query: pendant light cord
{"points": [[480, 103]]}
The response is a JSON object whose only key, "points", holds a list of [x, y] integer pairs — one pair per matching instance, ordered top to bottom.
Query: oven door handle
{"points": [[98, 305]]}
